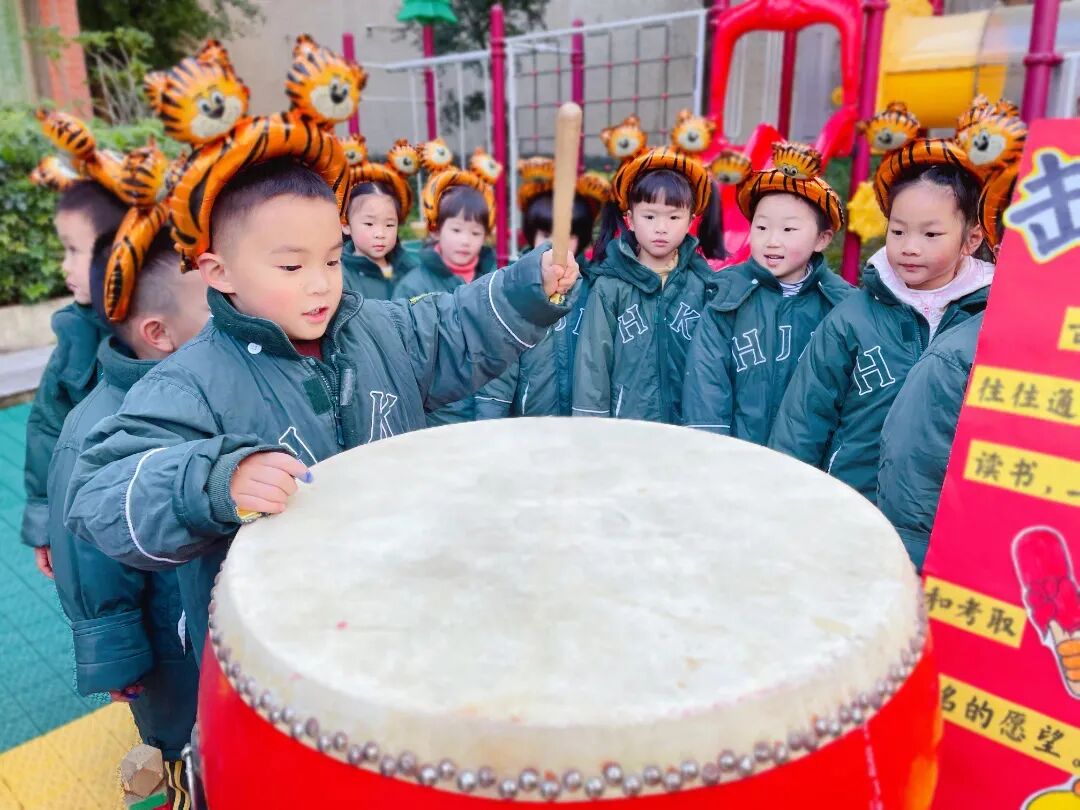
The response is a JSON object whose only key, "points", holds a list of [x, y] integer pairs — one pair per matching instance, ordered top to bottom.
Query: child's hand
{"points": [[558, 280], [263, 482], [43, 558], [128, 694]]}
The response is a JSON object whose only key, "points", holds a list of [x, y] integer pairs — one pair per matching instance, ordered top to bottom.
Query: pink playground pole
{"points": [[938, 7], [716, 11], [348, 50], [1040, 59], [577, 80], [787, 82], [429, 84], [498, 126], [860, 161]]}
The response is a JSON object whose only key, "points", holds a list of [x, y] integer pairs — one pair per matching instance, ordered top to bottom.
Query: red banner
{"points": [[1003, 574]]}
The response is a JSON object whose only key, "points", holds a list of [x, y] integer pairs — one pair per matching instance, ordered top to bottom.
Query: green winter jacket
{"points": [[361, 275], [432, 275], [635, 334], [748, 344], [71, 373], [541, 382], [832, 413], [918, 435], [151, 488], [124, 622]]}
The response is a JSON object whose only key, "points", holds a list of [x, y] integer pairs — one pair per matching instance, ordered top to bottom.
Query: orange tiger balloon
{"points": [[323, 86], [199, 100], [891, 128], [67, 133], [692, 134], [72, 135], [255, 140], [993, 140], [625, 141], [355, 147], [922, 152], [435, 156], [404, 158], [663, 158], [485, 166], [730, 167], [536, 169], [795, 171], [55, 173], [386, 175], [143, 180], [438, 184], [595, 189], [995, 198], [134, 237]]}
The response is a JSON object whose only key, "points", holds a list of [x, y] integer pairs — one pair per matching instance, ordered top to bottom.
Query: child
{"points": [[459, 209], [86, 211], [373, 260], [922, 283], [649, 288], [765, 310], [290, 371], [540, 383], [910, 473], [124, 621]]}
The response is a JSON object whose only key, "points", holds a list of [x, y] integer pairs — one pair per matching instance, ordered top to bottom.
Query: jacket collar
{"points": [[621, 262], [120, 369]]}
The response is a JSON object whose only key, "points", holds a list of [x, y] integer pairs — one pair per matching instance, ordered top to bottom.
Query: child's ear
{"points": [[628, 221], [346, 229], [974, 238], [824, 240], [212, 269], [154, 332]]}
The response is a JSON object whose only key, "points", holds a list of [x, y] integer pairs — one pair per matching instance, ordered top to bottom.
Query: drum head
{"points": [[569, 595]]}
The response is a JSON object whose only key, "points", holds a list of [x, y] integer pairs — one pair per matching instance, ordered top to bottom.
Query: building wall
{"points": [[63, 80]]}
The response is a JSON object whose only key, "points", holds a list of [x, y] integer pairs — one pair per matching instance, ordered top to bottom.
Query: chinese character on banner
{"points": [[1007, 531]]}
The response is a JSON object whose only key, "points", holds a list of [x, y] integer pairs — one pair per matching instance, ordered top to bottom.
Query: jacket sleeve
{"points": [[459, 341], [594, 358], [496, 399], [708, 401], [51, 406], [810, 410], [915, 444], [151, 488], [102, 598]]}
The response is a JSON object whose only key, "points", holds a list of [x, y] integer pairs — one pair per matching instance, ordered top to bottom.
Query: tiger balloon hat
{"points": [[323, 86], [202, 102], [891, 128], [692, 134], [993, 136], [625, 141], [355, 147], [911, 153], [435, 156], [79, 157], [655, 160], [402, 163], [729, 167], [796, 170], [481, 175], [538, 178], [148, 179], [995, 198]]}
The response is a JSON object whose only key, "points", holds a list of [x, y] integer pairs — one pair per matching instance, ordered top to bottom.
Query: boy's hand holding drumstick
{"points": [[560, 269]]}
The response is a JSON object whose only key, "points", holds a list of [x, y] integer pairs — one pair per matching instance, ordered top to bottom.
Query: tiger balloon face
{"points": [[321, 85], [201, 101], [891, 128], [692, 133], [625, 141], [993, 141], [355, 147], [436, 156], [403, 158], [797, 161], [485, 166], [730, 167], [143, 178]]}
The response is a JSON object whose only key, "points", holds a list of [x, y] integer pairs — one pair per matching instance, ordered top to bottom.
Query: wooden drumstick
{"points": [[567, 148]]}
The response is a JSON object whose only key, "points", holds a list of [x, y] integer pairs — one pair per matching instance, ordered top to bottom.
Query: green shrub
{"points": [[30, 253]]}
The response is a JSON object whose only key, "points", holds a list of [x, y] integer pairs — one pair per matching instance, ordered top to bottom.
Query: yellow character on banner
{"points": [[1066, 797]]}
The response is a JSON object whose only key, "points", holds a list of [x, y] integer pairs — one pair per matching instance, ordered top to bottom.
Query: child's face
{"points": [[373, 224], [659, 228], [77, 235], [784, 235], [544, 236], [928, 238], [460, 240], [282, 263]]}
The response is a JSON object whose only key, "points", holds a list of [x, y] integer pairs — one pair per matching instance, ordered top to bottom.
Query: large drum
{"points": [[569, 611]]}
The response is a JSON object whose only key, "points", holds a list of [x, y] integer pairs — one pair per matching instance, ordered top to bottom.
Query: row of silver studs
{"points": [[550, 786]]}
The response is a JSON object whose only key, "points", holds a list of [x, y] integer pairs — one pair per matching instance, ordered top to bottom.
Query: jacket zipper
{"points": [[329, 388]]}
